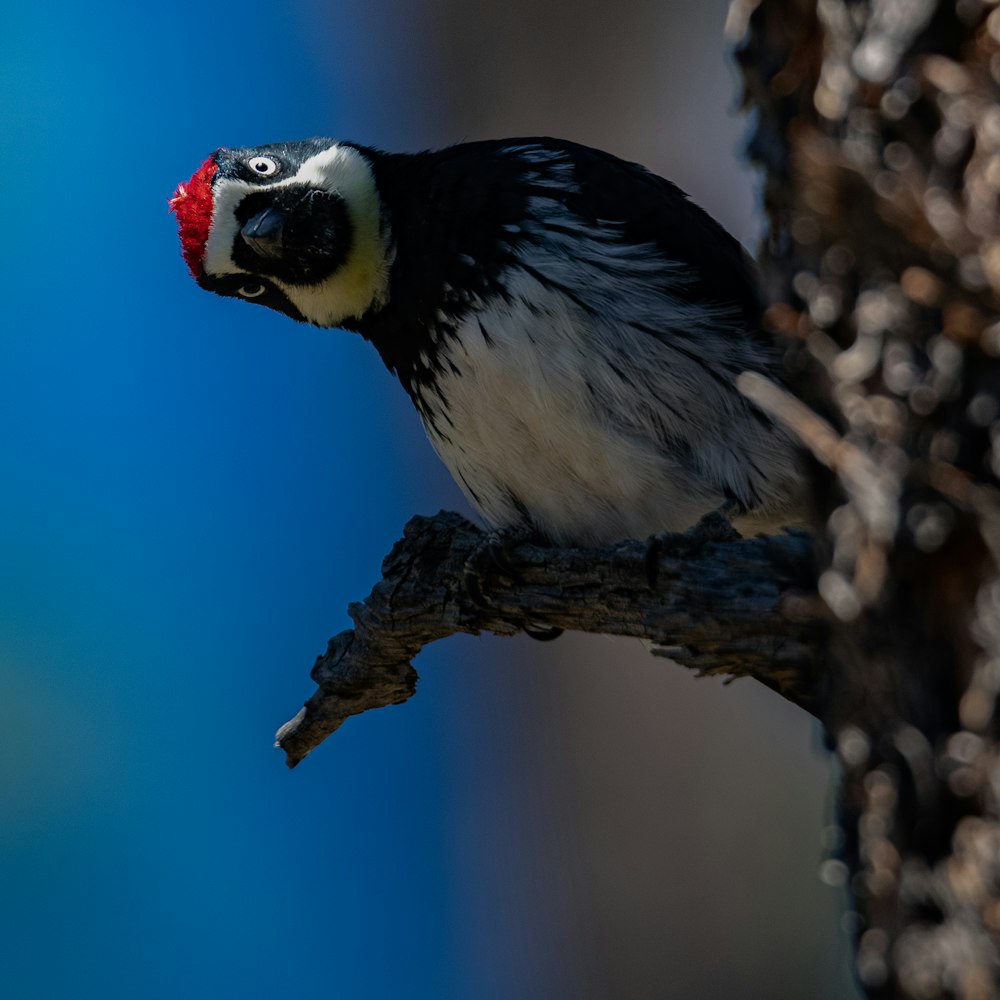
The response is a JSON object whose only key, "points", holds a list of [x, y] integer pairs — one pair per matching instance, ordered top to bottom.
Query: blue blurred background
{"points": [[193, 490]]}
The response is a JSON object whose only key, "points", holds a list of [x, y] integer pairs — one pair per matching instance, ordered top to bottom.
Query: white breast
{"points": [[553, 417]]}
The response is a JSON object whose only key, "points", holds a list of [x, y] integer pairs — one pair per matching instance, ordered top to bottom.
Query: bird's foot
{"points": [[713, 527], [493, 557], [542, 633]]}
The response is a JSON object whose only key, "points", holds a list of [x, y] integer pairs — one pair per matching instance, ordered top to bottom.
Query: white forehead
{"points": [[361, 280]]}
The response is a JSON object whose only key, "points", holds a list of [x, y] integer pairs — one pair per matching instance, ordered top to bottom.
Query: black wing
{"points": [[654, 210]]}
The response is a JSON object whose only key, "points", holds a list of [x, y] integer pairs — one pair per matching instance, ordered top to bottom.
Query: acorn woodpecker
{"points": [[569, 326]]}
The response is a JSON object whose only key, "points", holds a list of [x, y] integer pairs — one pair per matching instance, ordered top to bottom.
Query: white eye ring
{"points": [[263, 166], [251, 291]]}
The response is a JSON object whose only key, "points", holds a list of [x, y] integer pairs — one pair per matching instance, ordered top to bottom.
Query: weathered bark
{"points": [[877, 126], [715, 602]]}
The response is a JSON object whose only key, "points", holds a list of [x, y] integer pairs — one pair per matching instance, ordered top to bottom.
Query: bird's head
{"points": [[293, 226]]}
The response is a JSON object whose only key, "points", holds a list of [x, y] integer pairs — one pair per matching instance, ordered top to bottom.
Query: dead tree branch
{"points": [[713, 601]]}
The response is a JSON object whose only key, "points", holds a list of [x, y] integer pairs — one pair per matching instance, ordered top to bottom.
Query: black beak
{"points": [[263, 233]]}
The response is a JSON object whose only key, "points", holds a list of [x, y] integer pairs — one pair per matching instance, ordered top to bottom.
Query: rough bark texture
{"points": [[877, 127], [715, 602]]}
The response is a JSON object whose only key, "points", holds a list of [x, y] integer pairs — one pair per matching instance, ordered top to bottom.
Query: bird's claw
{"points": [[713, 527], [493, 557]]}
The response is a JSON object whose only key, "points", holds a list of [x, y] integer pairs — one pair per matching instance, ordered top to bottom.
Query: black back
{"points": [[454, 215]]}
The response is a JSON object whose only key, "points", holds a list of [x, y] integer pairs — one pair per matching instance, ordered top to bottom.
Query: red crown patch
{"points": [[192, 203]]}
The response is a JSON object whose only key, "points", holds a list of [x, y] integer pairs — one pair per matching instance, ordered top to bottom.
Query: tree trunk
{"points": [[877, 127]]}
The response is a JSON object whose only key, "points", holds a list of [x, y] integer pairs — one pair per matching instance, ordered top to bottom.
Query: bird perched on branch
{"points": [[569, 326]]}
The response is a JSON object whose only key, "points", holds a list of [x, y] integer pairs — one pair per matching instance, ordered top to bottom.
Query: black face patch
{"points": [[288, 156], [235, 164], [315, 238], [254, 289]]}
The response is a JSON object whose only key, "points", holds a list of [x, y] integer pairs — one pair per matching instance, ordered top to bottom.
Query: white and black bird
{"points": [[569, 326]]}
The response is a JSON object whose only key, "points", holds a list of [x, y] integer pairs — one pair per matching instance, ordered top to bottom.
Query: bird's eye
{"points": [[263, 166], [251, 291]]}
